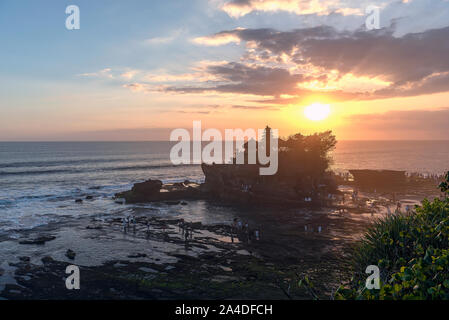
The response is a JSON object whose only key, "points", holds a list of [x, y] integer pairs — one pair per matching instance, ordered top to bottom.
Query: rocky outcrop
{"points": [[233, 183], [244, 185], [147, 188], [155, 190], [142, 192], [39, 240], [70, 254]]}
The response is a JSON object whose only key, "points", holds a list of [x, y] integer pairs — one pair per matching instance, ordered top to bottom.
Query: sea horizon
{"points": [[83, 141]]}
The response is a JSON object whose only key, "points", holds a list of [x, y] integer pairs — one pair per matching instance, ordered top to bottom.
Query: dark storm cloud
{"points": [[366, 53], [407, 59], [415, 63], [239, 78]]}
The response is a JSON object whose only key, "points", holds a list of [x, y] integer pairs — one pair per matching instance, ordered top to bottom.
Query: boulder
{"points": [[147, 188], [154, 190], [141, 192], [172, 203], [98, 227], [38, 240], [70, 254], [137, 255], [24, 259], [47, 259]]}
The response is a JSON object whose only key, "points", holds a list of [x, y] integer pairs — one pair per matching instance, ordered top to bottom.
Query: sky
{"points": [[137, 69]]}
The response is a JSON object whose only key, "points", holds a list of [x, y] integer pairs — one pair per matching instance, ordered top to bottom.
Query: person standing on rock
{"points": [[127, 222], [133, 222], [124, 225], [234, 225], [246, 232], [257, 234]]}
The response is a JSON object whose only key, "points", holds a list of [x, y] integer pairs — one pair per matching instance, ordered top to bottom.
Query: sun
{"points": [[317, 111]]}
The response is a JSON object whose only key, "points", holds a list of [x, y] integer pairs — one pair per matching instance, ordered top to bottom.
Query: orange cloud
{"points": [[239, 8], [218, 39]]}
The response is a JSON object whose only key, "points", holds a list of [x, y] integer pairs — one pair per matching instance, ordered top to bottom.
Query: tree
{"points": [[308, 155]]}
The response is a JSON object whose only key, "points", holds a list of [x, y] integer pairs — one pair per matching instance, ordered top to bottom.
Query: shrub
{"points": [[411, 251]]}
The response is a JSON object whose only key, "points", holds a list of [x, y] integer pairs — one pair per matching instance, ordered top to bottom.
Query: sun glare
{"points": [[317, 111]]}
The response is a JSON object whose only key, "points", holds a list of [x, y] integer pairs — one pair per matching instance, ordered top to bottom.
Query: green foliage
{"points": [[307, 154], [444, 186], [412, 253]]}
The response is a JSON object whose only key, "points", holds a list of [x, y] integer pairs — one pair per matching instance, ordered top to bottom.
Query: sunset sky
{"points": [[137, 69]]}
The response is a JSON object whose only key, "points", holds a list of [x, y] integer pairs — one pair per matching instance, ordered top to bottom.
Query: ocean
{"points": [[39, 181]]}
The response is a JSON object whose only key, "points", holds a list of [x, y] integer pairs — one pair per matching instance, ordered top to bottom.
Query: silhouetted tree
{"points": [[307, 154]]}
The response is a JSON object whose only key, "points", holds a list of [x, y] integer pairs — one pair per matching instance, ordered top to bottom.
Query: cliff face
{"points": [[243, 184]]}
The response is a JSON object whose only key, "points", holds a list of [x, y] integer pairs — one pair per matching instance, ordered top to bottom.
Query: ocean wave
{"points": [[55, 163], [102, 169], [35, 172], [5, 203]]}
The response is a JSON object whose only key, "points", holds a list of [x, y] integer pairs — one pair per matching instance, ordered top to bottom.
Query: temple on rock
{"points": [[302, 175]]}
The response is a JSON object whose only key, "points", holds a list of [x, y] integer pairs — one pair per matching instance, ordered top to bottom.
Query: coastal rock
{"points": [[242, 184], [147, 188], [154, 190], [141, 192], [172, 203], [194, 225], [94, 227], [40, 240], [70, 254], [137, 255], [24, 259], [47, 259]]}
